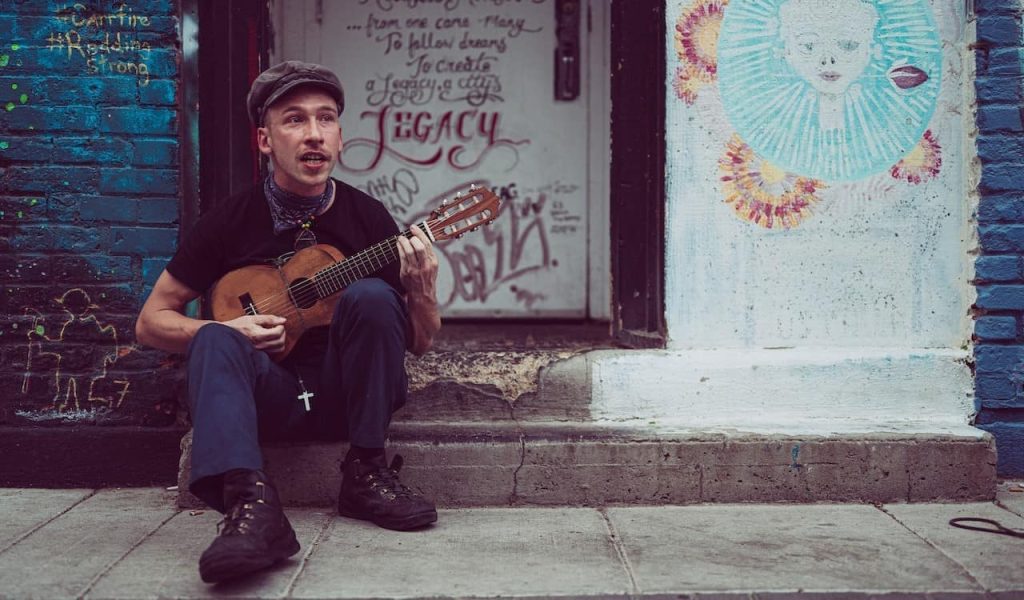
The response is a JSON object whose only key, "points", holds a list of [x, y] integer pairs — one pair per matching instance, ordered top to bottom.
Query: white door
{"points": [[448, 93]]}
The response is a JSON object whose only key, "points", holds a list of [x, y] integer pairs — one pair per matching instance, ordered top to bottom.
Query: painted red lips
{"points": [[906, 77]]}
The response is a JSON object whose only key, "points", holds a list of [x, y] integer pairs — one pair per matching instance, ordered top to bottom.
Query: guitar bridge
{"points": [[247, 304]]}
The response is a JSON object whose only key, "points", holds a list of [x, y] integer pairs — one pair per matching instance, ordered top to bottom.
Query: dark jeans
{"points": [[239, 397]]}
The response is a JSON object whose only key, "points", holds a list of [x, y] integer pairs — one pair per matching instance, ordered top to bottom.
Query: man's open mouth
{"points": [[314, 158]]}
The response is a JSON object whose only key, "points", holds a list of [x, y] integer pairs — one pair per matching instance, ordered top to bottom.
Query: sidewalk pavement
{"points": [[134, 543]]}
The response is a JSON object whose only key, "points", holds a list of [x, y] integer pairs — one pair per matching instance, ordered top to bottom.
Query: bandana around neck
{"points": [[290, 210]]}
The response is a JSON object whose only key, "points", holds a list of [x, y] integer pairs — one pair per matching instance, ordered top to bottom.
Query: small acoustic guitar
{"points": [[306, 288]]}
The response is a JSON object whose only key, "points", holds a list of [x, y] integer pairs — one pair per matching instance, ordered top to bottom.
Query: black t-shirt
{"points": [[240, 232]]}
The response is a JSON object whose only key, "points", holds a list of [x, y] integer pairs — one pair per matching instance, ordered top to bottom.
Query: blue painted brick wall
{"points": [[89, 201], [999, 345]]}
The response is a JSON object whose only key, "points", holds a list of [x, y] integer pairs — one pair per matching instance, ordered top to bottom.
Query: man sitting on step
{"points": [[342, 380]]}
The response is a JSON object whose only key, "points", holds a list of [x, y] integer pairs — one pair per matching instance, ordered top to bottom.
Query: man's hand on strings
{"points": [[418, 270], [266, 332]]}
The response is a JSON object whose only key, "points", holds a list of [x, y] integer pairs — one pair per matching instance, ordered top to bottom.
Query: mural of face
{"points": [[828, 42], [832, 90]]}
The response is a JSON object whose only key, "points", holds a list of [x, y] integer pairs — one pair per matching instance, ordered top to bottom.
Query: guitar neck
{"points": [[331, 280]]}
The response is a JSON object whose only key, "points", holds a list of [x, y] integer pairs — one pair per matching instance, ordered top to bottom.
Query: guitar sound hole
{"points": [[303, 292]]}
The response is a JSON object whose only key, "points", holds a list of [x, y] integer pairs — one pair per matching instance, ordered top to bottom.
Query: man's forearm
{"points": [[425, 318], [166, 329]]}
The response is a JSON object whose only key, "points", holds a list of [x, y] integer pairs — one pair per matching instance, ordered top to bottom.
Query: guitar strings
{"points": [[339, 272], [331, 273], [339, 276], [282, 304]]}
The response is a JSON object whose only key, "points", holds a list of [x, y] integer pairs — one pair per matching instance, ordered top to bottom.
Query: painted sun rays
{"points": [[696, 44]]}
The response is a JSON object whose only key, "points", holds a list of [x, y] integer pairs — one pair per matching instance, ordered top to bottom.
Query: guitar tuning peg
{"points": [[472, 187], [458, 195], [444, 202], [459, 237]]}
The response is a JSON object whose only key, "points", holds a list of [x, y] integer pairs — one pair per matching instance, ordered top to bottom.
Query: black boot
{"points": [[370, 490], [254, 533]]}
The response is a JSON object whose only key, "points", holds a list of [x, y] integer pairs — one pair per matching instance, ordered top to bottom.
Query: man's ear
{"points": [[263, 140]]}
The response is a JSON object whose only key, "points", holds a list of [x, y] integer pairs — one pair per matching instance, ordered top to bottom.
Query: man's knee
{"points": [[370, 299], [216, 339], [221, 363]]}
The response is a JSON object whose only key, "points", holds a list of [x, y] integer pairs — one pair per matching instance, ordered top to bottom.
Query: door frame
{"points": [[235, 38], [638, 88]]}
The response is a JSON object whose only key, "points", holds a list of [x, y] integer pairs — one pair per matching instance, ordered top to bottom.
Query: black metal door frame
{"points": [[234, 43], [638, 172]]}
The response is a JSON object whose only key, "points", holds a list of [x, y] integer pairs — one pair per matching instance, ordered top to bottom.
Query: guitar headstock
{"points": [[466, 212]]}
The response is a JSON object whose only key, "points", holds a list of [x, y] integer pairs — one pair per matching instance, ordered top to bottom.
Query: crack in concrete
{"points": [[513, 499], [1007, 508], [46, 522], [327, 524], [620, 551], [963, 568], [103, 572]]}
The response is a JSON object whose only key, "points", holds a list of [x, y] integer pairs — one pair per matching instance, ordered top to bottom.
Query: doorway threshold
{"points": [[523, 335]]}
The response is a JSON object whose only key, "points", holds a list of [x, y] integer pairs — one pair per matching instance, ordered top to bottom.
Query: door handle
{"points": [[567, 50]]}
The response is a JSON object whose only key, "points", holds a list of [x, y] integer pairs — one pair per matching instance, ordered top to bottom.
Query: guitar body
{"points": [[306, 288], [269, 290]]}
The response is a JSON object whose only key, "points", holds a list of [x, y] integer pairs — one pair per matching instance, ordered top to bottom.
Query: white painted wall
{"points": [[877, 261], [851, 317], [808, 391]]}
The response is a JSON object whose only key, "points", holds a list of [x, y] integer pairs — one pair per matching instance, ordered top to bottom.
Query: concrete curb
{"points": [[578, 464]]}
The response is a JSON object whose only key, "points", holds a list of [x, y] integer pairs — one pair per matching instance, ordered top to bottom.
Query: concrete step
{"points": [[541, 421], [592, 464]]}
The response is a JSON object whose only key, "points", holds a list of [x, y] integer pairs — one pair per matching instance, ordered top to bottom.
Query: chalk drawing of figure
{"points": [[830, 45], [73, 388]]}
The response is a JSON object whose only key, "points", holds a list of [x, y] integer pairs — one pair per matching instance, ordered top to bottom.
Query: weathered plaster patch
{"points": [[512, 374]]}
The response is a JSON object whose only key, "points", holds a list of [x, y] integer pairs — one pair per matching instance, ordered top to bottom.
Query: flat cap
{"points": [[278, 80]]}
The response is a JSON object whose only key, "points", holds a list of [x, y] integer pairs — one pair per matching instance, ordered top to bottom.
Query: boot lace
{"points": [[385, 481], [237, 520]]}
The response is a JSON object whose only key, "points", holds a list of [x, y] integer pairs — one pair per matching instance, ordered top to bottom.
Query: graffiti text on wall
{"points": [[105, 41], [453, 59], [448, 137], [514, 246]]}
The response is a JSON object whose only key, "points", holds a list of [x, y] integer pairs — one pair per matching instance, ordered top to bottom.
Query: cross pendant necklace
{"points": [[305, 395]]}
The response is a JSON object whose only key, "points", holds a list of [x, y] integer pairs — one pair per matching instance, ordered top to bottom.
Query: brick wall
{"points": [[89, 204], [999, 328]]}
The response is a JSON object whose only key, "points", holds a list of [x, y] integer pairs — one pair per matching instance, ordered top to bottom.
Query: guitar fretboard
{"points": [[331, 280]]}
